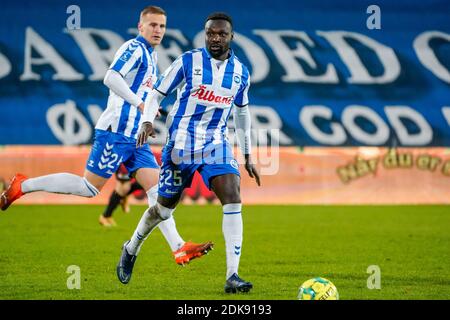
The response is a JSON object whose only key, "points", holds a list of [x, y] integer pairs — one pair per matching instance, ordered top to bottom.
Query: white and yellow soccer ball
{"points": [[318, 289]]}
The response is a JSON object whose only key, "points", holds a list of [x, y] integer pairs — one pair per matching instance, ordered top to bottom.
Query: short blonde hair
{"points": [[152, 10]]}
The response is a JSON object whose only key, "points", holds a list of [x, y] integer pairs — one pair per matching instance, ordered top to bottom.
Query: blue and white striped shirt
{"points": [[136, 62], [206, 95]]}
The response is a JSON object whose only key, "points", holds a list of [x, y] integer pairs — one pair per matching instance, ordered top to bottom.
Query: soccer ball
{"points": [[318, 289]]}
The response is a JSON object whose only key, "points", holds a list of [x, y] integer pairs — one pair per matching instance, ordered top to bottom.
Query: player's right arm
{"points": [[126, 60], [170, 80], [242, 122]]}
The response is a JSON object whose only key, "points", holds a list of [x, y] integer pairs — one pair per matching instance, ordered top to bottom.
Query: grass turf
{"points": [[283, 247]]}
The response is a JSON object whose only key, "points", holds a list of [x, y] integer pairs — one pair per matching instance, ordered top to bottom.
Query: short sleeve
{"points": [[127, 58], [171, 78], [241, 99]]}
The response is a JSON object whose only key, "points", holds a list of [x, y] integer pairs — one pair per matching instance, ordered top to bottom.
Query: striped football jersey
{"points": [[136, 62], [206, 93]]}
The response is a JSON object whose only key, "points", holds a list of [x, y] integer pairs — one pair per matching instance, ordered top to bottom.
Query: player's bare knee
{"points": [[94, 181], [87, 189], [231, 195], [170, 203], [163, 212]]}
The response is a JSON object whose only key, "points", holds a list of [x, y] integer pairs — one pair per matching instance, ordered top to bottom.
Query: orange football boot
{"points": [[13, 192], [191, 250]]}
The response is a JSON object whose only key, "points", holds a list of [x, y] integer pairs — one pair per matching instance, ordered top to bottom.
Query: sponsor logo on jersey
{"points": [[126, 56], [209, 95]]}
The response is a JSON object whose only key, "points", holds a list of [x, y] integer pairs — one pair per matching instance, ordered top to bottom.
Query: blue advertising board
{"points": [[324, 73]]}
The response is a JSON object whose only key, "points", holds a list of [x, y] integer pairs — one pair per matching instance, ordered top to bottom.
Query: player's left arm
{"points": [[127, 59], [172, 78], [150, 112], [242, 121]]}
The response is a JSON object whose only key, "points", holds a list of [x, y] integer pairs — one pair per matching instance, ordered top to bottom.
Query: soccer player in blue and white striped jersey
{"points": [[130, 79], [211, 82]]}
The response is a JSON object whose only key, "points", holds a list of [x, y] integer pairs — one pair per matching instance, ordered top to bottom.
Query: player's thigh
{"points": [[107, 152], [143, 164], [147, 177], [94, 179], [173, 179], [224, 179], [227, 187]]}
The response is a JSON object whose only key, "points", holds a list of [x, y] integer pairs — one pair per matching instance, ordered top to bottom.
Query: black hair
{"points": [[220, 16]]}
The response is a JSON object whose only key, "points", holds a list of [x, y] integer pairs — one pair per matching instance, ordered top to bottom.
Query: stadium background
{"points": [[333, 94], [359, 120]]}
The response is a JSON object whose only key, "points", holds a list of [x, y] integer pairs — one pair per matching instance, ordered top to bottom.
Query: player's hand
{"points": [[159, 112], [145, 131], [251, 169]]}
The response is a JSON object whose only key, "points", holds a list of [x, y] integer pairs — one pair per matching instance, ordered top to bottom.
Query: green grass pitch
{"points": [[283, 246]]}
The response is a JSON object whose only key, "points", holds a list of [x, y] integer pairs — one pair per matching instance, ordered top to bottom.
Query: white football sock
{"points": [[65, 183], [150, 219], [167, 227], [170, 232], [232, 232]]}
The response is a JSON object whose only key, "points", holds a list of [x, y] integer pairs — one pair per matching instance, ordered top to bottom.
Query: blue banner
{"points": [[329, 73]]}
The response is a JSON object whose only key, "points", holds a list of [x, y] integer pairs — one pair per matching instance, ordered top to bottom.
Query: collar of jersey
{"points": [[145, 42], [230, 57]]}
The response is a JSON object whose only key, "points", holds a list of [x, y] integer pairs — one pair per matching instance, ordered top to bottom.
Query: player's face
{"points": [[152, 27], [218, 36]]}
